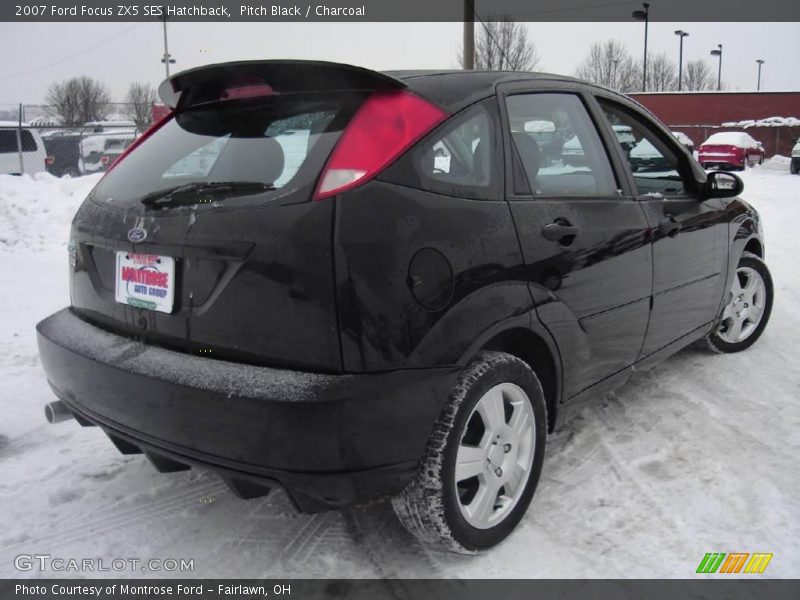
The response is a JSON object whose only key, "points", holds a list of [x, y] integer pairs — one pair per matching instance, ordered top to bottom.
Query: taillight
{"points": [[386, 125], [138, 141], [104, 160], [48, 161]]}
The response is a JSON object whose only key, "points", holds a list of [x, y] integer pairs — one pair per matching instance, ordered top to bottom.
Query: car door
{"points": [[689, 235], [587, 258]]}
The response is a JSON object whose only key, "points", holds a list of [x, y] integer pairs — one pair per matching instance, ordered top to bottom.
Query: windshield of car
{"points": [[264, 143]]}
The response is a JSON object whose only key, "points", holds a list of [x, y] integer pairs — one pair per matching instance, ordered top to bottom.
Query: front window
{"points": [[654, 165]]}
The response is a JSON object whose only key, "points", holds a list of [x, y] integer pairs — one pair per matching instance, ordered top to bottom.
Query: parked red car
{"points": [[731, 150]]}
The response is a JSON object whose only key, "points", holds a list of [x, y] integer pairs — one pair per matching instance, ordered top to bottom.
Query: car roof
{"points": [[455, 89]]}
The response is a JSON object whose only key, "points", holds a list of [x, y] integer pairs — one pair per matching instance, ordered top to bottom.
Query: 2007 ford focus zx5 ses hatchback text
{"points": [[352, 284]]}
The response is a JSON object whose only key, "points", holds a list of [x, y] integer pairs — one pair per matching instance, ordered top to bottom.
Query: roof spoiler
{"points": [[202, 84]]}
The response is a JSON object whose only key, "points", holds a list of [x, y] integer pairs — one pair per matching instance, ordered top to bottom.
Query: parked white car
{"points": [[94, 147], [34, 156]]}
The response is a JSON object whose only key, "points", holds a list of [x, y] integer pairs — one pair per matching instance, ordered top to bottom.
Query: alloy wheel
{"points": [[745, 308], [495, 455]]}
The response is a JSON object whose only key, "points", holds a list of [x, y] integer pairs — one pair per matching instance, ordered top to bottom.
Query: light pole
{"points": [[643, 15], [682, 34], [469, 36], [718, 52], [167, 60], [760, 62]]}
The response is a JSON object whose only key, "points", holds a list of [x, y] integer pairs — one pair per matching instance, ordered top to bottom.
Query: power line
{"points": [[573, 9], [491, 37], [71, 56]]}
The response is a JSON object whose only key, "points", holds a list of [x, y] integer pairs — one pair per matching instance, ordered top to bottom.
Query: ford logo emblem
{"points": [[137, 234]]}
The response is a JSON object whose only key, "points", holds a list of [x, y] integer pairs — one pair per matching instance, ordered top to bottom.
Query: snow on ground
{"points": [[697, 455]]}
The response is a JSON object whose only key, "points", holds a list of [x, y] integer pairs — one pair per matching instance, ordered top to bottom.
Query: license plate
{"points": [[145, 281]]}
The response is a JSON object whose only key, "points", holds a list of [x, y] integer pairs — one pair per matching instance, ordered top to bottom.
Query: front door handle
{"points": [[669, 226], [560, 231]]}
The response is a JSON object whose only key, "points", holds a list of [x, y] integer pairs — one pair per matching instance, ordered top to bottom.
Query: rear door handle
{"points": [[669, 226], [559, 231]]}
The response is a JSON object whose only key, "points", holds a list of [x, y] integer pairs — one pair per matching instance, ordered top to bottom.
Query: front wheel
{"points": [[747, 309], [483, 460]]}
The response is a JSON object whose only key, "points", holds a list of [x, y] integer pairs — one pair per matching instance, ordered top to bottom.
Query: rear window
{"points": [[8, 141], [227, 150]]}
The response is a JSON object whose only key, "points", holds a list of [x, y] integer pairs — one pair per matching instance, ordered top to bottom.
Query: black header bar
{"points": [[685, 11]]}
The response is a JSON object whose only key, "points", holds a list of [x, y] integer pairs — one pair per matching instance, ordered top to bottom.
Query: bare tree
{"points": [[503, 45], [610, 64], [662, 73], [697, 75], [140, 98], [79, 100]]}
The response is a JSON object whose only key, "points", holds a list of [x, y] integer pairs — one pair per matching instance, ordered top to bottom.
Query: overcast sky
{"points": [[36, 54]]}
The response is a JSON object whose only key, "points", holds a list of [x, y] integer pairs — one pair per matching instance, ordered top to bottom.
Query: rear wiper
{"points": [[184, 194]]}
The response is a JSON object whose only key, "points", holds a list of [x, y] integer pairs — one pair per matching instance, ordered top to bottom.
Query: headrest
{"points": [[529, 154]]}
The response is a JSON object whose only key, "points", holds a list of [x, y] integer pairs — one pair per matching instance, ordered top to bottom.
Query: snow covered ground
{"points": [[698, 455]]}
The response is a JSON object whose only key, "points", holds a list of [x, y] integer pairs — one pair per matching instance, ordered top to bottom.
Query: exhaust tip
{"points": [[56, 412]]}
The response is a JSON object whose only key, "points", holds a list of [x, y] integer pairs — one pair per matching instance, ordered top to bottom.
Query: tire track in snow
{"points": [[90, 525], [391, 550]]}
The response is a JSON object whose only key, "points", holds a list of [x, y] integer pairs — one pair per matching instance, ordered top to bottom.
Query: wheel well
{"points": [[754, 247], [529, 347]]}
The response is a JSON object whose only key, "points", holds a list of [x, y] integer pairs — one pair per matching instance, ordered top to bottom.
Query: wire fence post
{"points": [[19, 142]]}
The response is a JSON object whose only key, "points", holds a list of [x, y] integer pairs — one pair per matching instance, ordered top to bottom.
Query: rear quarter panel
{"points": [[467, 271]]}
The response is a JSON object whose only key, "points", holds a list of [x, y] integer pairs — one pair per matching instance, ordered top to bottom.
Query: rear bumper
{"points": [[720, 160], [329, 440]]}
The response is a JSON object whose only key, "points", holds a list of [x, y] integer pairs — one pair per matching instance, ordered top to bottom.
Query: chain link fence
{"points": [[34, 139]]}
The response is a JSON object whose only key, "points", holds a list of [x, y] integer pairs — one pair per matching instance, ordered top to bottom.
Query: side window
{"points": [[8, 141], [28, 143], [558, 146], [458, 160], [653, 164]]}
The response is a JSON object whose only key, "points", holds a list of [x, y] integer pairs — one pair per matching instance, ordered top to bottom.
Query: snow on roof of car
{"points": [[767, 122], [11, 124], [732, 138]]}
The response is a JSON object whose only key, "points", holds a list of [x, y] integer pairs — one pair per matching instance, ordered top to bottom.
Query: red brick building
{"points": [[699, 114]]}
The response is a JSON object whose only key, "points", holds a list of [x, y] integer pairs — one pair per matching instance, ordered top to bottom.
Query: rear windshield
{"points": [[228, 150]]}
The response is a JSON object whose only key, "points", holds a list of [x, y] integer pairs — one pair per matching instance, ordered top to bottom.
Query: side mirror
{"points": [[721, 184]]}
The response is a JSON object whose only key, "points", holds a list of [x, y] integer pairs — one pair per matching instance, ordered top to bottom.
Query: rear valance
{"points": [[264, 77]]}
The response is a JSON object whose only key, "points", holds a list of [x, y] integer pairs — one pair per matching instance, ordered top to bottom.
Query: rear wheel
{"points": [[747, 309], [483, 461]]}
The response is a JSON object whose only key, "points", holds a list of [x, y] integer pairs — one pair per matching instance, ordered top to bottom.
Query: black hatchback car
{"points": [[354, 284]]}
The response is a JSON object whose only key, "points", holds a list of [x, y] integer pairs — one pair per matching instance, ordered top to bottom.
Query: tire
{"points": [[794, 167], [735, 330], [436, 507]]}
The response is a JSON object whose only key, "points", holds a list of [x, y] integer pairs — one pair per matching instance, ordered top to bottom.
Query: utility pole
{"points": [[643, 15], [682, 35], [469, 36], [718, 52], [167, 60], [760, 62]]}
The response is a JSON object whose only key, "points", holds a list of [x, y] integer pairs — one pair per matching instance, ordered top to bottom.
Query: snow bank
{"points": [[768, 122], [778, 163], [36, 211]]}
